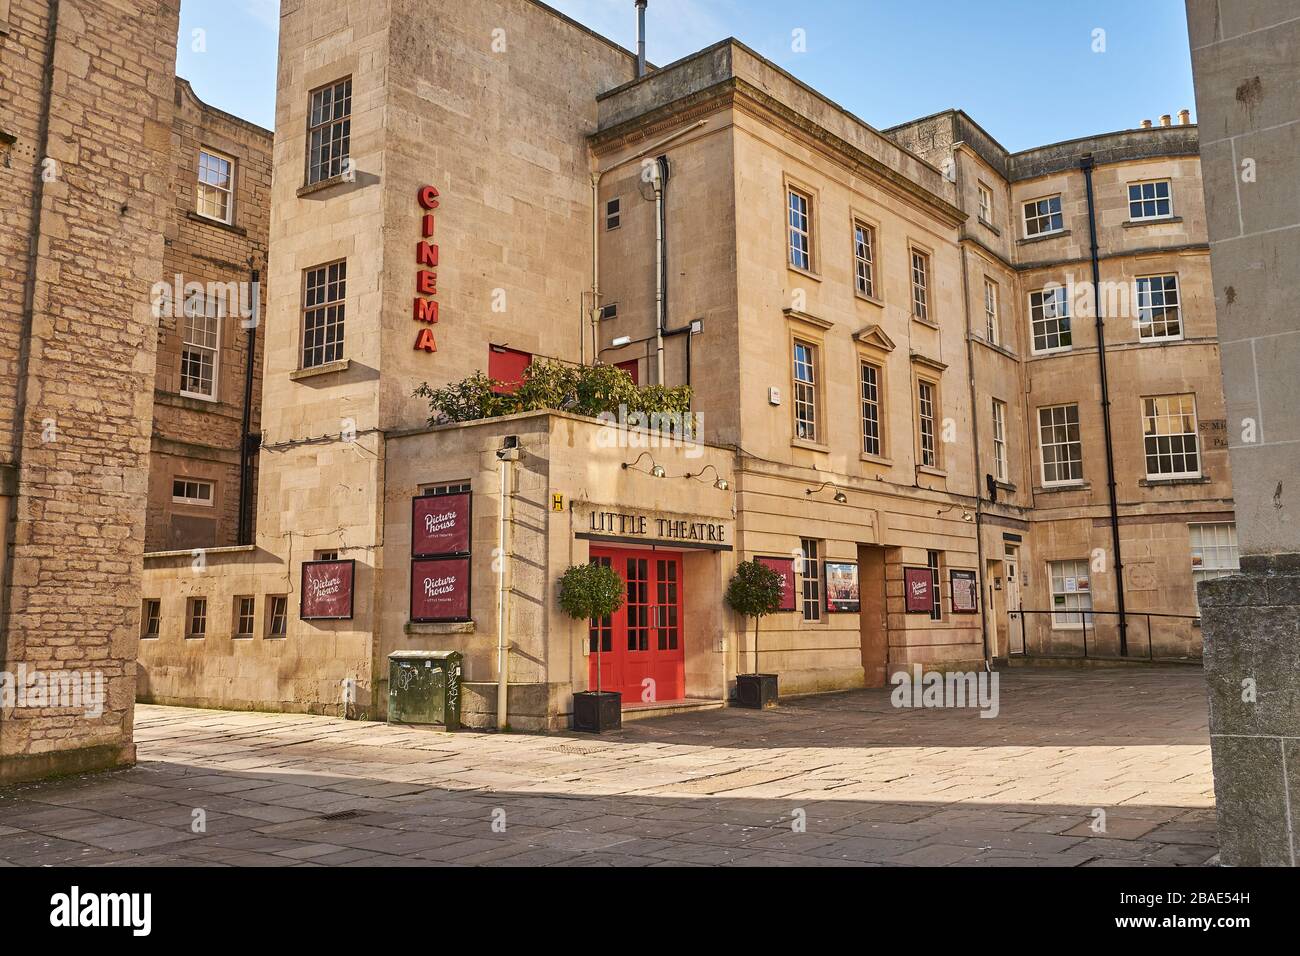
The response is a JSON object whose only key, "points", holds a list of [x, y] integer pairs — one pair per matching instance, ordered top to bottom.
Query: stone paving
{"points": [[834, 780]]}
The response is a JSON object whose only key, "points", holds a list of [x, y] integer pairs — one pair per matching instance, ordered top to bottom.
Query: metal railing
{"points": [[1095, 635]]}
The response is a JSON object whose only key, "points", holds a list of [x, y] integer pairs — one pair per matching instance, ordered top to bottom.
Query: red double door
{"points": [[642, 652]]}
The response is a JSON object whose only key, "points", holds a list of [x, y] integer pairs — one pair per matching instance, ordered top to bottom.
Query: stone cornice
{"points": [[736, 93]]}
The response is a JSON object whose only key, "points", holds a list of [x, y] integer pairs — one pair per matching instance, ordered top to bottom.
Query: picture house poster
{"points": [[440, 524], [785, 568], [918, 587], [327, 590], [440, 590]]}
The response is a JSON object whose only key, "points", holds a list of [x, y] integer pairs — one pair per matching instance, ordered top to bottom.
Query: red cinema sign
{"points": [[426, 279], [440, 524], [785, 568], [918, 588], [439, 590], [326, 593]]}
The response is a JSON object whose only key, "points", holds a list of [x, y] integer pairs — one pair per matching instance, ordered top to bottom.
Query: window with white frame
{"points": [[329, 131], [215, 194], [1150, 200], [986, 203], [613, 214], [1043, 216], [800, 217], [864, 259], [920, 285], [324, 293], [1159, 312], [1049, 319], [991, 332], [200, 345], [805, 391], [927, 413], [1169, 434], [871, 435], [999, 440], [1060, 445], [190, 491], [810, 550], [1214, 551], [936, 592], [1071, 594], [245, 606], [196, 618]]}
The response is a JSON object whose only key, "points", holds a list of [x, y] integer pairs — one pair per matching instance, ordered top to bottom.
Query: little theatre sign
{"points": [[681, 530]]}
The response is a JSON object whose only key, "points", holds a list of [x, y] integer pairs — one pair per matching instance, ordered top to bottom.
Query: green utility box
{"points": [[424, 687]]}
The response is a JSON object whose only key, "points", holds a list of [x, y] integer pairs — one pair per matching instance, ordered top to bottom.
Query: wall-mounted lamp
{"points": [[621, 341], [656, 470], [721, 484], [840, 497], [966, 514]]}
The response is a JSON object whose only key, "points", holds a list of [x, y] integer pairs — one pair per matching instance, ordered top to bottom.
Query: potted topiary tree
{"points": [[593, 591], [755, 592]]}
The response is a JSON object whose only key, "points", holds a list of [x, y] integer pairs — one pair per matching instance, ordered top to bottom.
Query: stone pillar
{"points": [[1246, 62], [81, 245]]}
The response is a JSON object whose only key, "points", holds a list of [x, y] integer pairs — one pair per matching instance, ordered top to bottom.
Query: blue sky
{"points": [[1026, 70]]}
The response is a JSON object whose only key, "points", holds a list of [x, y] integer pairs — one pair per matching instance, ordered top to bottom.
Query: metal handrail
{"points": [[1085, 618]]}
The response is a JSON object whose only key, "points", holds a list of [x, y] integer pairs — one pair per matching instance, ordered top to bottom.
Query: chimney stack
{"points": [[640, 38], [1184, 117], [1165, 119], [1145, 124]]}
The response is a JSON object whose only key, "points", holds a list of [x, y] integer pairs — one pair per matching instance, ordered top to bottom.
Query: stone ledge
{"points": [[193, 216], [1043, 238], [329, 368], [454, 627]]}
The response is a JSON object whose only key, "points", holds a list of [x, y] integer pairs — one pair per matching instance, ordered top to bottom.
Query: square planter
{"points": [[756, 690], [596, 713]]}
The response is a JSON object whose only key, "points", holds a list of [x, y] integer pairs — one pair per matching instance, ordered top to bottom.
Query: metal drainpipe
{"points": [[1086, 164], [661, 183], [245, 453], [975, 455], [503, 645]]}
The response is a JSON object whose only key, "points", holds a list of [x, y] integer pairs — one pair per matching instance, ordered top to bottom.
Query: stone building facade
{"points": [[1246, 64], [85, 148], [446, 201], [215, 242], [1027, 246]]}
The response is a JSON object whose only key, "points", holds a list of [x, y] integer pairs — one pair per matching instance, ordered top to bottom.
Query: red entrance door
{"points": [[642, 653]]}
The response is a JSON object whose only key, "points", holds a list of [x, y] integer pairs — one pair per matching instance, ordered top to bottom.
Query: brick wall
{"points": [[76, 384], [195, 437]]}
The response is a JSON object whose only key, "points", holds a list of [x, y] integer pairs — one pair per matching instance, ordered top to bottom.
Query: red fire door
{"points": [[642, 648]]}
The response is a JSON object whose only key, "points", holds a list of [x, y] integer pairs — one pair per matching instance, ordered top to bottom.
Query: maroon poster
{"points": [[440, 524], [785, 568], [918, 588], [326, 590], [440, 590]]}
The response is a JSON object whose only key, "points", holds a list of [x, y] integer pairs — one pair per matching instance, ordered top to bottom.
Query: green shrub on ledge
{"points": [[590, 390]]}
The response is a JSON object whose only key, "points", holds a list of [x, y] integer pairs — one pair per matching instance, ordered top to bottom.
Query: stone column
{"points": [[1246, 61]]}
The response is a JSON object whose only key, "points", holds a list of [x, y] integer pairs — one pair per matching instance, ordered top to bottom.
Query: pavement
{"points": [[1079, 768]]}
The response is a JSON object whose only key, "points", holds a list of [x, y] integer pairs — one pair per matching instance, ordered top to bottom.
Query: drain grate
{"points": [[342, 815]]}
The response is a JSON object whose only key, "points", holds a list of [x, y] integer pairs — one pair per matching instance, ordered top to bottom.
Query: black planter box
{"points": [[756, 690], [596, 713]]}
